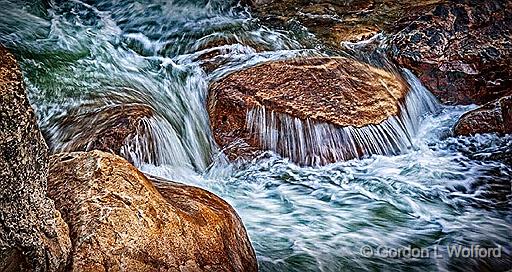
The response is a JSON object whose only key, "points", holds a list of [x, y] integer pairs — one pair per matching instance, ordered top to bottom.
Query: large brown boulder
{"points": [[461, 50], [340, 92], [493, 117], [119, 221], [33, 236]]}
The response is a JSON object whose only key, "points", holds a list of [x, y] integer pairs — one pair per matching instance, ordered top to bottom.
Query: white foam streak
{"points": [[155, 142]]}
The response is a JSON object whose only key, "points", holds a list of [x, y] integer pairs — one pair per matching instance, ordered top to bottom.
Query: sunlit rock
{"points": [[316, 111], [119, 220], [33, 236]]}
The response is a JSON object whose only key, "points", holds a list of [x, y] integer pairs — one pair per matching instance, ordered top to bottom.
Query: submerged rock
{"points": [[461, 50], [313, 111], [493, 117], [110, 129], [120, 221], [33, 236]]}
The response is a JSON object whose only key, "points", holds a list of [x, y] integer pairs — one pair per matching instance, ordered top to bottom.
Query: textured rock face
{"points": [[334, 22], [461, 50], [337, 91], [492, 117], [106, 129], [119, 221], [33, 236]]}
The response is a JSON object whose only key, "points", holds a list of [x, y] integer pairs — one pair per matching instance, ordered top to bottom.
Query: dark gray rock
{"points": [[460, 50], [33, 236]]}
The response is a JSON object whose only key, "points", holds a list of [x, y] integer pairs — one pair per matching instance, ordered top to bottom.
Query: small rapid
{"points": [[315, 143], [419, 187]]}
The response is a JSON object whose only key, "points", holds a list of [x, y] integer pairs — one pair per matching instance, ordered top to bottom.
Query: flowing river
{"points": [[443, 192]]}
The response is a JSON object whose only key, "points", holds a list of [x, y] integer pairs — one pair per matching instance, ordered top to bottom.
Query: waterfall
{"points": [[133, 131], [155, 143], [315, 143]]}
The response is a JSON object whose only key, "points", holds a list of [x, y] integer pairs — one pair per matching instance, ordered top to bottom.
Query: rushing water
{"points": [[79, 56], [316, 143]]}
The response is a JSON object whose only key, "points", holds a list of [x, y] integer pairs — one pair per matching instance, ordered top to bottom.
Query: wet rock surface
{"points": [[334, 22], [461, 50], [338, 91], [493, 117], [107, 128], [120, 221], [33, 236]]}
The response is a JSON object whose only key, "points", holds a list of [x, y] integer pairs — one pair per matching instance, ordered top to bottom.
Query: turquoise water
{"points": [[78, 56]]}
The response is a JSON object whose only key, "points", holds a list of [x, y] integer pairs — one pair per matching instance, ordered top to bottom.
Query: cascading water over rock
{"points": [[319, 110], [133, 131], [313, 143], [153, 144], [445, 191]]}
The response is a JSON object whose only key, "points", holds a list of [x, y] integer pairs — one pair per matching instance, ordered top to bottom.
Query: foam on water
{"points": [[315, 143], [150, 144]]}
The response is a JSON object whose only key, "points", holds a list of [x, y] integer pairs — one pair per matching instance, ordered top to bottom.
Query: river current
{"points": [[442, 193]]}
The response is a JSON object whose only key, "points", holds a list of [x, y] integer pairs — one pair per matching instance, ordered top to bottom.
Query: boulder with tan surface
{"points": [[120, 221]]}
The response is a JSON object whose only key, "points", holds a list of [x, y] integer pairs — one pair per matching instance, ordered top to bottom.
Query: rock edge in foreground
{"points": [[120, 221], [33, 236]]}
